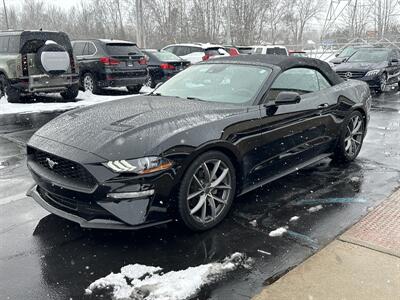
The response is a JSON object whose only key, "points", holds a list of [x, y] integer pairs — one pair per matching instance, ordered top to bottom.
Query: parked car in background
{"points": [[272, 49], [232, 50], [246, 50], [196, 52], [298, 53], [345, 54], [36, 61], [110, 63], [162, 65], [376, 66], [217, 130]]}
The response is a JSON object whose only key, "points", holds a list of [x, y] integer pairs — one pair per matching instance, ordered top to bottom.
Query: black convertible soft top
{"points": [[285, 63]]}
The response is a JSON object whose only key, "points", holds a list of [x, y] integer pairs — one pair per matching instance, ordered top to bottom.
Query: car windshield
{"points": [[346, 52], [370, 55], [166, 56], [228, 83]]}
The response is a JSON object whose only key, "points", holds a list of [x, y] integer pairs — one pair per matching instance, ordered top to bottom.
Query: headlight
{"points": [[373, 73], [145, 165]]}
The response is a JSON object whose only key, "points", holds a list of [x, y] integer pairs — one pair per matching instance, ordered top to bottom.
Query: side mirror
{"points": [[337, 54], [395, 60], [286, 98]]}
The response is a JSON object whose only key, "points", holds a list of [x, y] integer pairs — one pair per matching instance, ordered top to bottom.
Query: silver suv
{"points": [[37, 62]]}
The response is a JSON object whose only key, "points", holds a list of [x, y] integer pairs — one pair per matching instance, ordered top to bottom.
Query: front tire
{"points": [[382, 83], [134, 89], [71, 93], [351, 138], [207, 191]]}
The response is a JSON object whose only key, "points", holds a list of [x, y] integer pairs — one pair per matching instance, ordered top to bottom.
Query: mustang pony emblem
{"points": [[51, 163]]}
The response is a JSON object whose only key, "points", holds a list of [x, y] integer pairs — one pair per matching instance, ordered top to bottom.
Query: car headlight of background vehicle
{"points": [[373, 73], [144, 165]]}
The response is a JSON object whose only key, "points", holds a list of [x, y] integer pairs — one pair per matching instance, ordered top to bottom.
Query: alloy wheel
{"points": [[383, 82], [88, 83], [354, 135], [209, 191]]}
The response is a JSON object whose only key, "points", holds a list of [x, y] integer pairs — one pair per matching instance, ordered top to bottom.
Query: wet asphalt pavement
{"points": [[45, 257]]}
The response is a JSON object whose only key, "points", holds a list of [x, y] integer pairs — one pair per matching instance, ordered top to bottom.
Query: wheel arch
{"points": [[226, 148]]}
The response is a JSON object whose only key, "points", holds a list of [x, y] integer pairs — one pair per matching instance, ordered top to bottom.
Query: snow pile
{"points": [[50, 102], [315, 208], [294, 218], [278, 232], [147, 282]]}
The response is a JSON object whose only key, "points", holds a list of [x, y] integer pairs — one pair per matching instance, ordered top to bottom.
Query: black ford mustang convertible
{"points": [[217, 130]]}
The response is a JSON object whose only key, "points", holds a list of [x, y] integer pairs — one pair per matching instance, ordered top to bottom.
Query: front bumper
{"points": [[372, 81], [97, 223]]}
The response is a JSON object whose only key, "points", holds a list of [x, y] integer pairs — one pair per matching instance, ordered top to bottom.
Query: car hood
{"points": [[360, 66], [133, 126]]}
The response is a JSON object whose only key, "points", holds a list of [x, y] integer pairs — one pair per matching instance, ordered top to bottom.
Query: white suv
{"points": [[272, 49], [196, 52]]}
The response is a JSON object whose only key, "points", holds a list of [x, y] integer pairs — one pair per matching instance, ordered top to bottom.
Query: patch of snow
{"points": [[51, 104], [355, 179], [315, 208], [294, 218], [278, 232], [263, 252], [147, 282]]}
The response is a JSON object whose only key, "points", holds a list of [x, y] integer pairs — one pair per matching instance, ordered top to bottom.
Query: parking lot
{"points": [[45, 257]]}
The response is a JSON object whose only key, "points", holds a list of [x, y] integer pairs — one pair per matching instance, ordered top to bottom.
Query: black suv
{"points": [[36, 61], [110, 63], [375, 65]]}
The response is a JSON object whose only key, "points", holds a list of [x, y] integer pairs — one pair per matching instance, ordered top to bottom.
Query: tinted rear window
{"points": [[122, 49], [245, 50], [276, 51], [166, 56]]}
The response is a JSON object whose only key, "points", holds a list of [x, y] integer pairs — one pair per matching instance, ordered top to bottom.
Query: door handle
{"points": [[325, 105]]}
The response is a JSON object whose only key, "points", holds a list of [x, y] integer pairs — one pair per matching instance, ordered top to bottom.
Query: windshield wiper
{"points": [[194, 98]]}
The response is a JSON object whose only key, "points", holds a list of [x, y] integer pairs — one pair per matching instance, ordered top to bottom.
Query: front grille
{"points": [[351, 74], [64, 169], [86, 209]]}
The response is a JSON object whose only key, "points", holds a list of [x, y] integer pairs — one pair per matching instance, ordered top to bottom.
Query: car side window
{"points": [[4, 44], [13, 44], [78, 48], [90, 48], [171, 49], [195, 49], [258, 50], [180, 51], [299, 80], [322, 81]]}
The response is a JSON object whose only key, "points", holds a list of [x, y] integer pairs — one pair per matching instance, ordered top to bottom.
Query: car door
{"points": [[297, 133]]}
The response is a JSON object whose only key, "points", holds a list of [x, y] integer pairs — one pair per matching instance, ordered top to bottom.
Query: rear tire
{"points": [[150, 82], [90, 84], [134, 89], [71, 93], [13, 95], [351, 138], [207, 191]]}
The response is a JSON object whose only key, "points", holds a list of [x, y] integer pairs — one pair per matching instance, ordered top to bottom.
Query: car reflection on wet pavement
{"points": [[45, 257]]}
